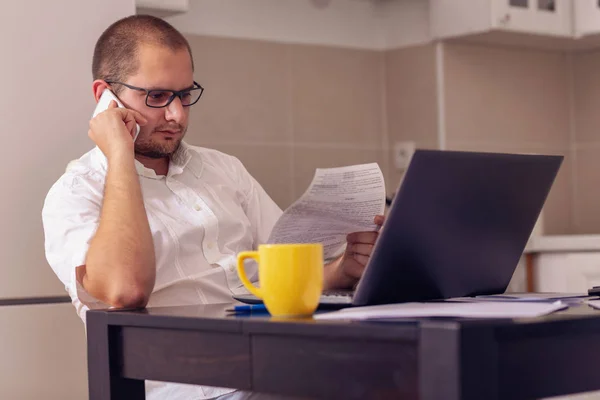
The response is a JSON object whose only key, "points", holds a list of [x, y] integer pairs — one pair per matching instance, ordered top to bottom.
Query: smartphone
{"points": [[105, 99]]}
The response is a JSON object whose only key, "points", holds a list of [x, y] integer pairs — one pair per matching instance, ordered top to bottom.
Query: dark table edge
{"points": [[380, 330], [406, 331]]}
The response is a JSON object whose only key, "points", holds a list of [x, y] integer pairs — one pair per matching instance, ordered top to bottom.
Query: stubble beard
{"points": [[150, 148]]}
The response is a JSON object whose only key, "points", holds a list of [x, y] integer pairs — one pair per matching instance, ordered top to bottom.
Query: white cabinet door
{"points": [[162, 8], [545, 17], [587, 17], [454, 18], [567, 272], [42, 353]]}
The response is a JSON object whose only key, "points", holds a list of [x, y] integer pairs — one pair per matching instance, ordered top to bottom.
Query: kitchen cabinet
{"points": [[162, 8], [455, 18], [586, 18], [564, 263], [44, 354]]}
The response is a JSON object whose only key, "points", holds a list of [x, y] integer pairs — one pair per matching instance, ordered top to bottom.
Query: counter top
{"points": [[563, 243]]}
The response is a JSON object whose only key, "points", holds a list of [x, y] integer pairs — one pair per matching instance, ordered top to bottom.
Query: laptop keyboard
{"points": [[339, 293], [336, 297]]}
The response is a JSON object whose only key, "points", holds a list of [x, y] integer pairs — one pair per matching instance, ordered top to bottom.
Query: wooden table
{"points": [[421, 359]]}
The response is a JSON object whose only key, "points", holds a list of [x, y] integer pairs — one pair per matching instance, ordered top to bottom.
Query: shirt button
{"points": [[197, 207], [210, 245]]}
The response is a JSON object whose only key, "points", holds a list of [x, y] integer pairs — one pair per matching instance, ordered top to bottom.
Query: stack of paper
{"points": [[541, 296], [569, 298], [594, 304], [447, 309]]}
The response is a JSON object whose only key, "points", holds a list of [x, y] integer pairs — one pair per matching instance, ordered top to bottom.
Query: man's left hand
{"points": [[345, 272]]}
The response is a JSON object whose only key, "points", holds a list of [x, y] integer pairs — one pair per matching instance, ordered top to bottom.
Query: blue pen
{"points": [[250, 308]]}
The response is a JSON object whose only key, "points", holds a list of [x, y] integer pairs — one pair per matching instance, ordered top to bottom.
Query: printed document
{"points": [[338, 201], [487, 309]]}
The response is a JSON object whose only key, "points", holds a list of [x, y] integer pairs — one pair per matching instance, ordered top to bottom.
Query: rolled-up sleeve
{"points": [[70, 217]]}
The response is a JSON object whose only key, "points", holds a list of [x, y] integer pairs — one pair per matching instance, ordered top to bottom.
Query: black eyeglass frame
{"points": [[176, 93]]}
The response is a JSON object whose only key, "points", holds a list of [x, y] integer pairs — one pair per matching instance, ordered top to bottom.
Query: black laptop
{"points": [[456, 227]]}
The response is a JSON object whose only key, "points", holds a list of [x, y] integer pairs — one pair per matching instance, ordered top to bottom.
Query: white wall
{"points": [[367, 24], [45, 105]]}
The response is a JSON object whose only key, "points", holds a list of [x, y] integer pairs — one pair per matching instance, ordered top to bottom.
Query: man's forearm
{"points": [[120, 265]]}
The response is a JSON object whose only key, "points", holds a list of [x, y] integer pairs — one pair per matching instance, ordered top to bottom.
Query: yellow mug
{"points": [[290, 276]]}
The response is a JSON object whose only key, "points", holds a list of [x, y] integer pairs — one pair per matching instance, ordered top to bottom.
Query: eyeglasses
{"points": [[159, 98]]}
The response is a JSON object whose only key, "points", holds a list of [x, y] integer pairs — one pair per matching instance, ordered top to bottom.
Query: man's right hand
{"points": [[113, 130]]}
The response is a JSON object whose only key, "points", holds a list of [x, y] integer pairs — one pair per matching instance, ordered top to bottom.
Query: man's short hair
{"points": [[116, 52]]}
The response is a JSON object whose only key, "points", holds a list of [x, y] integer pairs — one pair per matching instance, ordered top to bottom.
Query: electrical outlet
{"points": [[403, 152]]}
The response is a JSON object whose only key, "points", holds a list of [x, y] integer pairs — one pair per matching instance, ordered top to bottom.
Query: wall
{"points": [[298, 80], [449, 95], [496, 99], [512, 100], [411, 101], [44, 109], [286, 109], [586, 141]]}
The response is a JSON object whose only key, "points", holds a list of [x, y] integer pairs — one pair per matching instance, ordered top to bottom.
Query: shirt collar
{"points": [[178, 162]]}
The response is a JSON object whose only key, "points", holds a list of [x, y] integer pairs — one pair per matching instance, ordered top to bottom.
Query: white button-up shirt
{"points": [[201, 214]]}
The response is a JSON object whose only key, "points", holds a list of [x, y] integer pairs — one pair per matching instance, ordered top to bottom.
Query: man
{"points": [[157, 222]]}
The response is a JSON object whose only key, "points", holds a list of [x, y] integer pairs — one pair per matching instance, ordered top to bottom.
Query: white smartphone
{"points": [[105, 99]]}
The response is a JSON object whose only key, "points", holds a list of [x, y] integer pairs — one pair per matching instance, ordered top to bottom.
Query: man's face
{"points": [[159, 68]]}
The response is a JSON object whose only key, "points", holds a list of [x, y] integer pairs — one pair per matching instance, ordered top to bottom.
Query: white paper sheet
{"points": [[338, 201], [542, 296], [529, 297], [594, 303], [443, 309]]}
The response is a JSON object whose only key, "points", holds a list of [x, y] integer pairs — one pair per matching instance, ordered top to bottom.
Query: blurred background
{"points": [[294, 85]]}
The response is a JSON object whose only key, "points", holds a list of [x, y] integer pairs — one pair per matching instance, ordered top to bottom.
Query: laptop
{"points": [[456, 227]]}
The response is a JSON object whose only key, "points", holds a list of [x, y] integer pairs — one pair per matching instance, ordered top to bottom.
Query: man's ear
{"points": [[98, 87]]}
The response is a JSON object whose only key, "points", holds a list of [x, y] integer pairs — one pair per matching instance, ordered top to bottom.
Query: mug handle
{"points": [[242, 273]]}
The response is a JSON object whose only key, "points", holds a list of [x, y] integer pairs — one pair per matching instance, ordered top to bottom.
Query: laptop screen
{"points": [[457, 226]]}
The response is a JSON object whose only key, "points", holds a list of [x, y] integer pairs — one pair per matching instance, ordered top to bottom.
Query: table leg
{"points": [[457, 363], [104, 382]]}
